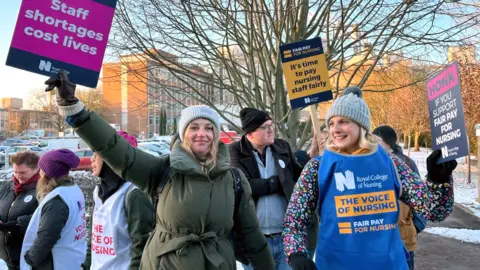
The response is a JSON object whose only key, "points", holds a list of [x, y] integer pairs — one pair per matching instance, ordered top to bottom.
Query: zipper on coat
{"points": [[6, 234]]}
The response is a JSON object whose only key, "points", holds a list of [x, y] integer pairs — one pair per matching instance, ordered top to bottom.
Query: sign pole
{"points": [[315, 123], [477, 132]]}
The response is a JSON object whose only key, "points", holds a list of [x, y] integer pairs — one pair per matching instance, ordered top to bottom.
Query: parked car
{"points": [[229, 137], [10, 142], [157, 147], [146, 150], [3, 151], [7, 152], [85, 155]]}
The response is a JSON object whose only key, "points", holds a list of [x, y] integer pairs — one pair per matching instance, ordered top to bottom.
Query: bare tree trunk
{"points": [[405, 141], [409, 143], [416, 148]]}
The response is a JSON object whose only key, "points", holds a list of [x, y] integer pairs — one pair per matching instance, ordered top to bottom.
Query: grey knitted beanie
{"points": [[351, 105], [194, 112]]}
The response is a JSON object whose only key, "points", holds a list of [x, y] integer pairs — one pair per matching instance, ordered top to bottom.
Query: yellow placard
{"points": [[306, 76]]}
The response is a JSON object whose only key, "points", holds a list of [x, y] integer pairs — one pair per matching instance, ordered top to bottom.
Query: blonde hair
{"points": [[366, 141], [211, 160], [46, 184]]}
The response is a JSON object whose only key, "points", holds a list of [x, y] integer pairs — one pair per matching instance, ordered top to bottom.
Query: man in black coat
{"points": [[272, 171]]}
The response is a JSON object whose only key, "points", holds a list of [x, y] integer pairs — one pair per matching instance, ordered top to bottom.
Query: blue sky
{"points": [[15, 82]]}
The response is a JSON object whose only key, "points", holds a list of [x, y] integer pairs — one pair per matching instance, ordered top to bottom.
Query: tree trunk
{"points": [[405, 141], [416, 142], [409, 143]]}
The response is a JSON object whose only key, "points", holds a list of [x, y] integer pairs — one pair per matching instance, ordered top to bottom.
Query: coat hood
{"points": [[182, 161]]}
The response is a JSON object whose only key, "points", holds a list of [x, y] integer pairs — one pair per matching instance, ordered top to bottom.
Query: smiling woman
{"points": [[353, 182], [196, 209]]}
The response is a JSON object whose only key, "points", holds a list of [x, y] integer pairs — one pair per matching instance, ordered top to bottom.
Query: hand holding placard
{"points": [[54, 35], [65, 89]]}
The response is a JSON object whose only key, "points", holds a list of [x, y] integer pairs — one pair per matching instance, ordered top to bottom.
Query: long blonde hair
{"points": [[366, 141], [211, 160], [46, 184]]}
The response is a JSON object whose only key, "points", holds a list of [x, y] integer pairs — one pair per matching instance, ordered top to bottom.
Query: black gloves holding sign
{"points": [[68, 104], [439, 173], [300, 261]]}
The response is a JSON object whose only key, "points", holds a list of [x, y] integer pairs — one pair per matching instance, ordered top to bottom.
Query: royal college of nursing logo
{"points": [[444, 152], [344, 181]]}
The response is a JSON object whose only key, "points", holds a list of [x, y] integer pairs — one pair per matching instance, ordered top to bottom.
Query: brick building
{"points": [[136, 90]]}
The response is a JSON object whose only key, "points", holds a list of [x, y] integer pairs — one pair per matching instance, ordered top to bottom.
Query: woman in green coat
{"points": [[195, 210]]}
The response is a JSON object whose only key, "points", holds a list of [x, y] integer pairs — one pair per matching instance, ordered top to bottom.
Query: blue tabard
{"points": [[358, 206]]}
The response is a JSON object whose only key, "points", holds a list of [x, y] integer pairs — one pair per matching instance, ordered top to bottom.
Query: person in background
{"points": [[272, 171], [194, 188], [355, 188], [17, 204], [121, 211], [408, 221], [55, 237]]}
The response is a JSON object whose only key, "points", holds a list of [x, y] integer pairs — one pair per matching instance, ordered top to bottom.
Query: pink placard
{"points": [[74, 32], [443, 82]]}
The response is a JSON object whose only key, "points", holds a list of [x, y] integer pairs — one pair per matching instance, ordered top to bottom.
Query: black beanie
{"points": [[252, 119], [388, 135]]}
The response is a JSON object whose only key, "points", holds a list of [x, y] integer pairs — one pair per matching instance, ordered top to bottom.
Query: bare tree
{"points": [[237, 43], [45, 101]]}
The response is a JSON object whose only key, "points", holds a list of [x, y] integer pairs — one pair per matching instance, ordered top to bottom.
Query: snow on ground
{"points": [[466, 193], [464, 235], [3, 266]]}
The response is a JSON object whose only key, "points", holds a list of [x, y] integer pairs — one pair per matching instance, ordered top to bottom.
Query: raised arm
{"points": [[128, 162], [433, 199]]}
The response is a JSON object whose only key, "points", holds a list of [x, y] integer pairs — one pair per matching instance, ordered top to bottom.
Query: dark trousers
{"points": [[410, 260], [13, 266]]}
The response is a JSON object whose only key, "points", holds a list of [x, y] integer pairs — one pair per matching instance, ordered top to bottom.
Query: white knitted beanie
{"points": [[194, 112]]}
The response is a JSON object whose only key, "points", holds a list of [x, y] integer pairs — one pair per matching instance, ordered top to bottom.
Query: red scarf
{"points": [[19, 188]]}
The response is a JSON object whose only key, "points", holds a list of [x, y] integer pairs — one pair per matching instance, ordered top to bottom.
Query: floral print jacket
{"points": [[432, 201]]}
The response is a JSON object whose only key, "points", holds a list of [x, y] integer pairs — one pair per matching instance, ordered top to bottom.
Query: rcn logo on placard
{"points": [[48, 67], [307, 100], [444, 152], [344, 181]]}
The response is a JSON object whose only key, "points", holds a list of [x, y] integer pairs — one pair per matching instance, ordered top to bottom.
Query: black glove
{"points": [[65, 89], [439, 173], [274, 186], [11, 226], [300, 261]]}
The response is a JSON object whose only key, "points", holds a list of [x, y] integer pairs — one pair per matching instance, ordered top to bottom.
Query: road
{"points": [[437, 252]]}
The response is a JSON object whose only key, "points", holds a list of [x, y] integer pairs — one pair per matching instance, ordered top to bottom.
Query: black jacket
{"points": [[241, 157], [15, 208], [53, 218]]}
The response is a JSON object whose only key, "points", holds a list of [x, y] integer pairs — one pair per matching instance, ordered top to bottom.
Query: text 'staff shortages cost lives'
{"points": [[57, 34], [306, 74], [446, 114]]}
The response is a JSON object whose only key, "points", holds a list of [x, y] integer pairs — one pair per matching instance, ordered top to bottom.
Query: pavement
{"points": [[437, 252]]}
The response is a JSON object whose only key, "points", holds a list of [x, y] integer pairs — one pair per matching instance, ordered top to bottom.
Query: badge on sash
{"points": [[282, 163]]}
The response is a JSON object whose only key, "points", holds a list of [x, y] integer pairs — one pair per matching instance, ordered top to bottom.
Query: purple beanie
{"points": [[130, 139], [58, 163]]}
